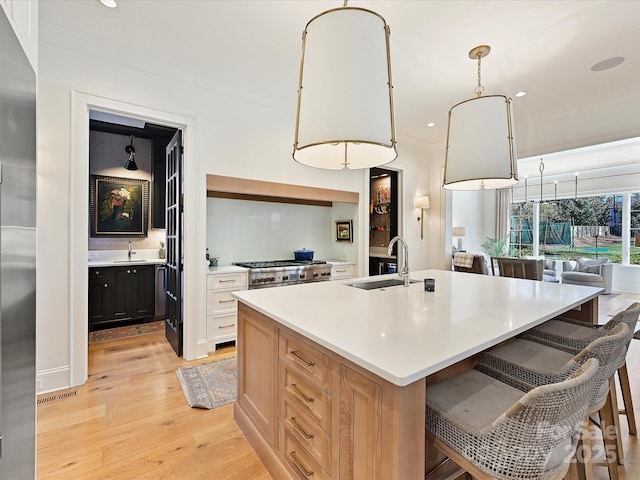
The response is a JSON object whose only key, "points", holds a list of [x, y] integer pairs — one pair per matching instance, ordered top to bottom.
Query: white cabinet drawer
{"points": [[343, 271], [237, 281], [220, 303], [225, 325], [222, 328]]}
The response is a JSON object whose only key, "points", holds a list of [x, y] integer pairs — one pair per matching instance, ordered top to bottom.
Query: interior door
{"points": [[173, 225]]}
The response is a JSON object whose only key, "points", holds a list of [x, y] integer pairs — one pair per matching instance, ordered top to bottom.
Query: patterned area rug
{"points": [[125, 332], [209, 385]]}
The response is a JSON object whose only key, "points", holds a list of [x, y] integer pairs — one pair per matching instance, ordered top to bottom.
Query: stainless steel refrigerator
{"points": [[17, 258]]}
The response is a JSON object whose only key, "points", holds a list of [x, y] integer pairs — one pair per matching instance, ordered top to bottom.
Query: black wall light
{"points": [[131, 163]]}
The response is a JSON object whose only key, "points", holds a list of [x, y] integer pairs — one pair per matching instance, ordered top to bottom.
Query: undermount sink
{"points": [[137, 260], [389, 282]]}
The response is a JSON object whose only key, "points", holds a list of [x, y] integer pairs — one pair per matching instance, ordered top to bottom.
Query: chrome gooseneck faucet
{"points": [[130, 251], [404, 272]]}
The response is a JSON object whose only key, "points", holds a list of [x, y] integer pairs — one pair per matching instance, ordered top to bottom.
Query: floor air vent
{"points": [[53, 398]]}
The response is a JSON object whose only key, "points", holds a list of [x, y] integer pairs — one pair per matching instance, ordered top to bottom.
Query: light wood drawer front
{"points": [[229, 280], [220, 302], [315, 364], [308, 396], [298, 424], [299, 460]]}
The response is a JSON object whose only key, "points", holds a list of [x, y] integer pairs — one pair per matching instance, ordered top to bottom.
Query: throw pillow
{"points": [[588, 268]]}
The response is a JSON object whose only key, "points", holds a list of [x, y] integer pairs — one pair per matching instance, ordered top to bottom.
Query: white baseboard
{"points": [[52, 380]]}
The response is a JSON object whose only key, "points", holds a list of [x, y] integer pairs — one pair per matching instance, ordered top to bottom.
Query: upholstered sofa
{"points": [[591, 272]]}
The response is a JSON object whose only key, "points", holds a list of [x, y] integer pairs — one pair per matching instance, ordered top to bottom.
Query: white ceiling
{"points": [[251, 49]]}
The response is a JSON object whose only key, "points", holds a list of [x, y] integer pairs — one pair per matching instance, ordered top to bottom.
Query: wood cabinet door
{"points": [[143, 291], [101, 293], [121, 293], [258, 371], [360, 427]]}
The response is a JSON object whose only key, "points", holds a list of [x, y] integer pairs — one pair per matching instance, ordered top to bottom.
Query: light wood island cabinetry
{"points": [[306, 409]]}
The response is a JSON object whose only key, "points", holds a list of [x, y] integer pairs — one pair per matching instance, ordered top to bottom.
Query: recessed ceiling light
{"points": [[109, 3], [607, 64], [521, 93], [431, 124]]}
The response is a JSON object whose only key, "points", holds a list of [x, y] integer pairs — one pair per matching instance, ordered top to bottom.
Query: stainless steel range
{"points": [[286, 272]]}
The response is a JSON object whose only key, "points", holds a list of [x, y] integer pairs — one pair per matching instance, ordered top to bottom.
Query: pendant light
{"points": [[344, 116], [480, 149], [131, 163]]}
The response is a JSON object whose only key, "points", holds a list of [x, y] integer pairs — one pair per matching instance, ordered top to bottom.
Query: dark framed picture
{"points": [[118, 206], [344, 231]]}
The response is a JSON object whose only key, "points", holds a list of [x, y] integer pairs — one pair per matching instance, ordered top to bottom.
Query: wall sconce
{"points": [[345, 94], [480, 150], [131, 162], [421, 202], [459, 232]]}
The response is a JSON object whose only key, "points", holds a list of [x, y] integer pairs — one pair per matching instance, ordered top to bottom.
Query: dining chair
{"points": [[527, 268], [573, 335], [527, 364], [496, 431]]}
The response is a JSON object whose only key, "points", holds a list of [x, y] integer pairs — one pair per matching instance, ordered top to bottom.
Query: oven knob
{"points": [[315, 274], [302, 276], [285, 277]]}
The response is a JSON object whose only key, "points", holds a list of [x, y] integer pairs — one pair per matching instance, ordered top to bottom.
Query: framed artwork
{"points": [[118, 206], [344, 231]]}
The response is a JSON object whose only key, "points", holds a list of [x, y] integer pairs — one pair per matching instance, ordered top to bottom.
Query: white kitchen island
{"points": [[332, 378]]}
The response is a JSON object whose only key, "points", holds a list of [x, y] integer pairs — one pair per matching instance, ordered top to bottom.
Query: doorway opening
{"points": [[384, 198], [194, 238], [125, 301]]}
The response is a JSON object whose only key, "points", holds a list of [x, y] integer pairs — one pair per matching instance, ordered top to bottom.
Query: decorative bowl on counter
{"points": [[303, 255]]}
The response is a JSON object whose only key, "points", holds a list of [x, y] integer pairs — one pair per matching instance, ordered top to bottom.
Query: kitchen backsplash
{"points": [[243, 230]]}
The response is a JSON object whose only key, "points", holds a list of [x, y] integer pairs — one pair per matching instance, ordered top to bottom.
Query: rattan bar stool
{"points": [[577, 334], [528, 364], [496, 431]]}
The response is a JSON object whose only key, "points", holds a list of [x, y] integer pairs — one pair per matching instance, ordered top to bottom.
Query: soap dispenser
{"points": [[162, 252]]}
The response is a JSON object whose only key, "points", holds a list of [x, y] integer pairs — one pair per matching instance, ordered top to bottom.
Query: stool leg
{"points": [[623, 377], [613, 401], [611, 449], [584, 452], [572, 473]]}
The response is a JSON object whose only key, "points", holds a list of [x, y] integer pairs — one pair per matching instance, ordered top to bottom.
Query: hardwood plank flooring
{"points": [[131, 421]]}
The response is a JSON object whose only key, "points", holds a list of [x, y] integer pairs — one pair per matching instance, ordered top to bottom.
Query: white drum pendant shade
{"points": [[345, 102], [480, 145]]}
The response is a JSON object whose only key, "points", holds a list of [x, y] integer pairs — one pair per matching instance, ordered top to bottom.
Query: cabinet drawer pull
{"points": [[341, 270], [226, 281], [106, 285], [226, 301], [227, 326], [306, 362], [294, 387], [300, 429], [296, 462]]}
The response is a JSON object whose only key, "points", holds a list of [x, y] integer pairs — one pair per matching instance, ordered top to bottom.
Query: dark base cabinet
{"points": [[120, 294]]}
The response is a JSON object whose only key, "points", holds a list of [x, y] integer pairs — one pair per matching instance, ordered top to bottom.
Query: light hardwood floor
{"points": [[131, 421]]}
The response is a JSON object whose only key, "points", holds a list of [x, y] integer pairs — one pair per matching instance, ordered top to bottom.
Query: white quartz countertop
{"points": [[114, 258], [225, 269], [403, 334]]}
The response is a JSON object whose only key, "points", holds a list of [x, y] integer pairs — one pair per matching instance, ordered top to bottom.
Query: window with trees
{"points": [[574, 228]]}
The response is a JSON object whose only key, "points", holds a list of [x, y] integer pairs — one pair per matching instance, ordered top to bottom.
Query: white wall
{"points": [[233, 137], [242, 230]]}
